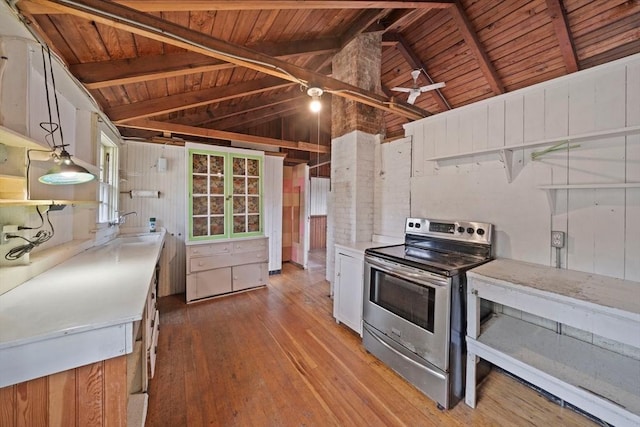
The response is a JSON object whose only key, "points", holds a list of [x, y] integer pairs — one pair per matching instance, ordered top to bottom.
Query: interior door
{"points": [[300, 217]]}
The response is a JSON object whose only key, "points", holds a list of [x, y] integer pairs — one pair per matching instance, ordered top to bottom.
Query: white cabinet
{"points": [[224, 267], [348, 287], [602, 382]]}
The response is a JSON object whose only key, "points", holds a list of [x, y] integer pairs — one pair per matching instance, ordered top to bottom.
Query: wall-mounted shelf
{"points": [[14, 139], [506, 151], [13, 183], [550, 189], [19, 202]]}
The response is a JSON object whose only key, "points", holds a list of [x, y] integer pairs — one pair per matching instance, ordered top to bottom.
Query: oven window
{"points": [[406, 299]]}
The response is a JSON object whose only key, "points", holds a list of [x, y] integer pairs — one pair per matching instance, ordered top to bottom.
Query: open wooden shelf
{"points": [[550, 189], [564, 366]]}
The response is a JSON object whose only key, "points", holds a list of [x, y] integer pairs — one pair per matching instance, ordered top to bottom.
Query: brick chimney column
{"points": [[355, 132]]}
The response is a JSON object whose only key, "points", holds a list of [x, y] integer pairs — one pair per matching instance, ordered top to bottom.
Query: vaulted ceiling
{"points": [[221, 71]]}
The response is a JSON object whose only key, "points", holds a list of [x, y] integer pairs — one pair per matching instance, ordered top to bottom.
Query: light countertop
{"points": [[587, 288], [67, 308]]}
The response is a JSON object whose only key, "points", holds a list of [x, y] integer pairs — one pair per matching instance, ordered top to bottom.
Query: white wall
{"points": [[138, 171], [273, 175], [392, 186], [319, 193], [602, 224]]}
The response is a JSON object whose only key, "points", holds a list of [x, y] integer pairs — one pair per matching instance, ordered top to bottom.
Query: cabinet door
{"points": [[207, 195], [247, 196], [250, 276], [212, 282], [348, 292]]}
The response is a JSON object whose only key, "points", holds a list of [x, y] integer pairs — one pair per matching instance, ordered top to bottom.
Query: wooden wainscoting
{"points": [[318, 226], [91, 395]]}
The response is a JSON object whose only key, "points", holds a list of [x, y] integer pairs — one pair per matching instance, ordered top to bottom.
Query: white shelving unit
{"points": [[513, 166], [14, 185], [551, 189], [602, 382]]}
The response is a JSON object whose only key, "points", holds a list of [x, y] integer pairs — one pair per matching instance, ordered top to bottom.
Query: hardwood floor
{"points": [[276, 357]]}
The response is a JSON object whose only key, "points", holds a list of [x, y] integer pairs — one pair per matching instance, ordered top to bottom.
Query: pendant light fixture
{"points": [[315, 93], [65, 171]]}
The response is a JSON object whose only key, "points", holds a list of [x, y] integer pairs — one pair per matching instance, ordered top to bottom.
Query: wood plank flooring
{"points": [[276, 357]]}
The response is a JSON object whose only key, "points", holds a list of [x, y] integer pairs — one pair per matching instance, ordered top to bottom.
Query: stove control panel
{"points": [[471, 231]]}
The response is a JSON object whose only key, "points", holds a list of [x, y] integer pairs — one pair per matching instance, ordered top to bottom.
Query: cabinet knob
{"points": [[200, 263], [235, 278], [474, 291]]}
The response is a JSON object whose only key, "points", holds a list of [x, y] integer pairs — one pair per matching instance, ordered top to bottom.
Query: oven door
{"points": [[409, 306]]}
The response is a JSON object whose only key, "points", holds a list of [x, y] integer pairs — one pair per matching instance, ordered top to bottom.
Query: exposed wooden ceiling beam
{"points": [[204, 5], [400, 19], [362, 22], [155, 28], [471, 38], [565, 41], [416, 63], [96, 75], [185, 100], [219, 113], [246, 119], [175, 128], [319, 161]]}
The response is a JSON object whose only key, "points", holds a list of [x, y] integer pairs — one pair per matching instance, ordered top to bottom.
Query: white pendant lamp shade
{"points": [[66, 172]]}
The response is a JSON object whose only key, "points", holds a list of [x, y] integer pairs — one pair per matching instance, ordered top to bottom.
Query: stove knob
{"points": [[410, 225], [417, 225], [460, 229], [470, 230], [480, 231]]}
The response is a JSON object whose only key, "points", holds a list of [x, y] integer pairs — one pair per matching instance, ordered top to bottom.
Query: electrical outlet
{"points": [[6, 230], [557, 239]]}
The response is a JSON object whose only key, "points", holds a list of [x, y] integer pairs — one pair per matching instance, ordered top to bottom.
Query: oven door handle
{"points": [[423, 277]]}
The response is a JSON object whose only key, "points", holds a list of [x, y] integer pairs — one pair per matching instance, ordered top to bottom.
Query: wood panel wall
{"points": [[139, 172], [273, 173], [287, 212], [601, 223], [318, 232], [91, 395]]}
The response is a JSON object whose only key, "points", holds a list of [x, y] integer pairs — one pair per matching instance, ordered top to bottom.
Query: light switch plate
{"points": [[557, 239]]}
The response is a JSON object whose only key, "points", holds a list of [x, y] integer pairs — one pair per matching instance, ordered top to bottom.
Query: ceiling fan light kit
{"points": [[416, 90]]}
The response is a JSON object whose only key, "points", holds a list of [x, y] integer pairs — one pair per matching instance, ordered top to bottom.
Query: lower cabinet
{"points": [[220, 268], [348, 288]]}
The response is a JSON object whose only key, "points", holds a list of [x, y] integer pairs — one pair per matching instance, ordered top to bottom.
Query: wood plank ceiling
{"points": [[221, 71]]}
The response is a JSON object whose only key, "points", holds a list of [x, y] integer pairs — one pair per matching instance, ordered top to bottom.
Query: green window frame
{"points": [[225, 191]]}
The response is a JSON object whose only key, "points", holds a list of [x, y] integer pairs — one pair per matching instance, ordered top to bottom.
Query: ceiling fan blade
{"points": [[432, 87], [402, 89], [412, 97]]}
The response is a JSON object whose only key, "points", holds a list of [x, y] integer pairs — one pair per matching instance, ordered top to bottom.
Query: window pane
{"points": [[199, 163]]}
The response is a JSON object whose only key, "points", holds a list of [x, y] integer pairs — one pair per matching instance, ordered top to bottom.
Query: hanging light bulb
{"points": [[315, 93], [66, 172]]}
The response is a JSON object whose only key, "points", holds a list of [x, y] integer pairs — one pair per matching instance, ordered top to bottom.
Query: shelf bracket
{"points": [[511, 169]]}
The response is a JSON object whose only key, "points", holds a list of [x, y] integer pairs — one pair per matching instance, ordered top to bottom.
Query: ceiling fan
{"points": [[416, 90]]}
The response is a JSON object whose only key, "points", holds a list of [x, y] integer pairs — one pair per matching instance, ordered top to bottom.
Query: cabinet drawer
{"points": [[249, 245], [210, 249], [250, 257], [211, 262], [249, 276], [212, 282]]}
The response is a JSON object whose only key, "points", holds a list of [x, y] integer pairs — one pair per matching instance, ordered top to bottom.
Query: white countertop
{"points": [[101, 288], [589, 288]]}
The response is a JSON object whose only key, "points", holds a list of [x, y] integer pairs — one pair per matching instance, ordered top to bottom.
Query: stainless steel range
{"points": [[415, 303]]}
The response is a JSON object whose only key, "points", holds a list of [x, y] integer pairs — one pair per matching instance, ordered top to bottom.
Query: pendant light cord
{"points": [[51, 127]]}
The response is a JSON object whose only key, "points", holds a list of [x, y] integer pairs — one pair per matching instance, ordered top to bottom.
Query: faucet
{"points": [[122, 219]]}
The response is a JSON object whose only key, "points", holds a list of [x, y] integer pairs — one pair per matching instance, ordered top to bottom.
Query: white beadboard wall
{"points": [[139, 172], [273, 173], [392, 186], [319, 194], [602, 224]]}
